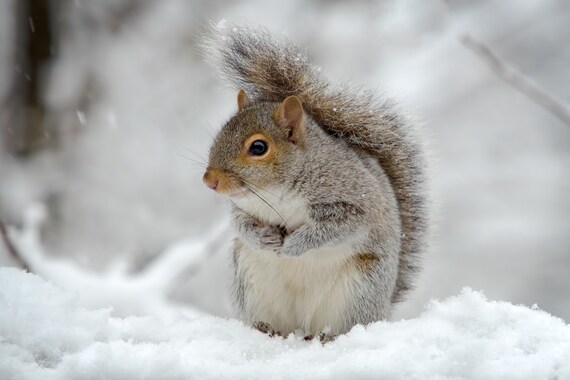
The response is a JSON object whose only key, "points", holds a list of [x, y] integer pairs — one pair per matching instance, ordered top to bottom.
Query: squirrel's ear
{"points": [[243, 100], [290, 115]]}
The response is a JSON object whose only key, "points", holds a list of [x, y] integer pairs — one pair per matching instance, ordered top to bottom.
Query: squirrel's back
{"points": [[271, 68]]}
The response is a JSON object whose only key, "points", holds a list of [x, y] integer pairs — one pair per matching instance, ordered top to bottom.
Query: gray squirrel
{"points": [[327, 191]]}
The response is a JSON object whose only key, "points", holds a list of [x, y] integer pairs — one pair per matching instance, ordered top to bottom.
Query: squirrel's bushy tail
{"points": [[270, 68]]}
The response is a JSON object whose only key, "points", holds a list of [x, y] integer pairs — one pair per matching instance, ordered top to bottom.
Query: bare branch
{"points": [[517, 80], [11, 248]]}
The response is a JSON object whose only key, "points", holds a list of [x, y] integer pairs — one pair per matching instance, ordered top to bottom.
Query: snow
{"points": [[138, 293], [46, 333]]}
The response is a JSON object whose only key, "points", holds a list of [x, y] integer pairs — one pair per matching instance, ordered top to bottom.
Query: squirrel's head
{"points": [[256, 145]]}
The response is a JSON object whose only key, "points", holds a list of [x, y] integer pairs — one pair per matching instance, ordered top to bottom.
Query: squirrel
{"points": [[327, 187]]}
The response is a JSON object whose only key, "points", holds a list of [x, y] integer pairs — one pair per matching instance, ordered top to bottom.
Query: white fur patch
{"points": [[283, 207]]}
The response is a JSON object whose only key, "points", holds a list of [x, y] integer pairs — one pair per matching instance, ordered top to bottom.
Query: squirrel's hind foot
{"points": [[266, 328], [322, 337]]}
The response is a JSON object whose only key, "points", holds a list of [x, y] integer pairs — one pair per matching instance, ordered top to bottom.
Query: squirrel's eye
{"points": [[258, 148]]}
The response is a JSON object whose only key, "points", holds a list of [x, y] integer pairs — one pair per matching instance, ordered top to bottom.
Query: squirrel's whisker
{"points": [[198, 158], [195, 162]]}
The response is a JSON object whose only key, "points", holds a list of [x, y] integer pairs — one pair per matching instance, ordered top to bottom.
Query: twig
{"points": [[517, 80], [11, 248]]}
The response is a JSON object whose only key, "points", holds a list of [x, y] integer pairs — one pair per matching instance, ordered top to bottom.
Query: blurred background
{"points": [[107, 110]]}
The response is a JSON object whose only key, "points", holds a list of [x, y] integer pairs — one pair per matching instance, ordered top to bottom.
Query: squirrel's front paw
{"points": [[270, 237], [291, 247]]}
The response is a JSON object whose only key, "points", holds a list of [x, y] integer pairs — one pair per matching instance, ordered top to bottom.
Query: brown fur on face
{"points": [[280, 125], [222, 182]]}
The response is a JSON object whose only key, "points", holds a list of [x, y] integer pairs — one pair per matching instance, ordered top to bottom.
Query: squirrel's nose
{"points": [[210, 180]]}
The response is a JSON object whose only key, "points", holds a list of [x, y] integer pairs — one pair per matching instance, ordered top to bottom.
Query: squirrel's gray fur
{"points": [[350, 132]]}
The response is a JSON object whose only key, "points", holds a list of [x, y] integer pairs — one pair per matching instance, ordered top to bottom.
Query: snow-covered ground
{"points": [[46, 334]]}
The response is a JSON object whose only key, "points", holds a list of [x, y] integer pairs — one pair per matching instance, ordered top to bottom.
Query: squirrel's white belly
{"points": [[308, 293]]}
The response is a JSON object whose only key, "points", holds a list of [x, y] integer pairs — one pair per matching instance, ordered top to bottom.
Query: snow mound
{"points": [[46, 334]]}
